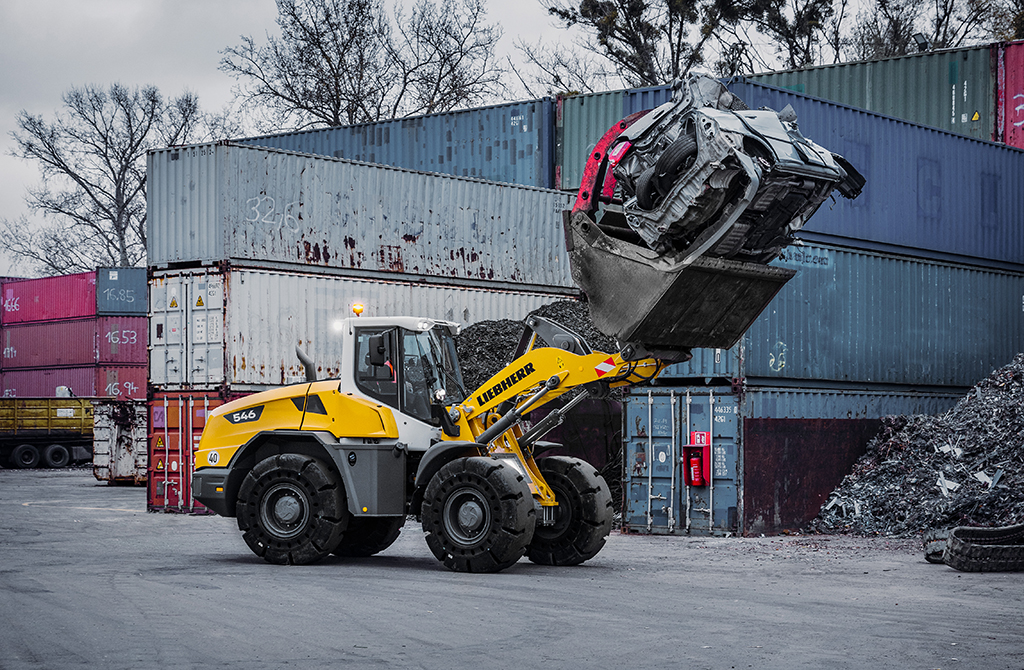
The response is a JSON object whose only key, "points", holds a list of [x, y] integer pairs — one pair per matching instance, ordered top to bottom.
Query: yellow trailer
{"points": [[49, 431]]}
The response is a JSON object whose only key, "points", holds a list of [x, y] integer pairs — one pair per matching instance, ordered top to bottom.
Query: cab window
{"points": [[378, 381]]}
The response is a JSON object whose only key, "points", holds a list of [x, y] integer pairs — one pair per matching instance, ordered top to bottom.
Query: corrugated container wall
{"points": [[952, 89], [1010, 103], [582, 121], [511, 143], [258, 206], [121, 291], [49, 298], [858, 316], [241, 328], [54, 344], [103, 381]]}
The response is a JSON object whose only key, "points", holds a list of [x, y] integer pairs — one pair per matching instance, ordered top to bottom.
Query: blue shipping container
{"points": [[512, 143], [927, 190], [121, 291], [865, 317]]}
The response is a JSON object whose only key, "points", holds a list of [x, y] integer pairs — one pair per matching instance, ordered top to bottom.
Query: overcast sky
{"points": [[48, 46]]}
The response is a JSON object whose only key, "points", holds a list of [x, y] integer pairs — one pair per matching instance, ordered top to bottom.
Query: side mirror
{"points": [[377, 350]]}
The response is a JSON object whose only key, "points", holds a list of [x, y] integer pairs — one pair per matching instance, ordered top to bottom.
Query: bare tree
{"points": [[1007, 21], [798, 28], [885, 29], [647, 42], [341, 62], [560, 69], [92, 157]]}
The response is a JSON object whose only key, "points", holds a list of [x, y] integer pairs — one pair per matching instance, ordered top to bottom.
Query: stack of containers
{"points": [[254, 251], [83, 333]]}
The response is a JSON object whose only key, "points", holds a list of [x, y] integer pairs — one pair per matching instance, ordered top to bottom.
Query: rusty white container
{"points": [[261, 207], [240, 328], [120, 452]]}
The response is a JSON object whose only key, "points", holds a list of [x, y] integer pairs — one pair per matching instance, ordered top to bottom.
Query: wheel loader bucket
{"points": [[659, 306]]}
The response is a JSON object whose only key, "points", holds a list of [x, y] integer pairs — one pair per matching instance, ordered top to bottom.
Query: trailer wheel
{"points": [[25, 456], [56, 456], [291, 510], [478, 515], [583, 518], [366, 536]]}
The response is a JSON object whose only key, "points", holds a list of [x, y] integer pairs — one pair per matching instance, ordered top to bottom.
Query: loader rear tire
{"points": [[25, 456], [291, 510], [478, 515], [583, 518], [366, 536]]}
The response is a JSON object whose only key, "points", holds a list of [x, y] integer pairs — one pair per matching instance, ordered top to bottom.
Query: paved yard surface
{"points": [[89, 579]]}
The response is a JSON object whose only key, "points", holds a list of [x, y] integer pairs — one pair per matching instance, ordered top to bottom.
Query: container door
{"points": [[206, 330], [167, 347], [177, 420], [712, 436], [649, 477]]}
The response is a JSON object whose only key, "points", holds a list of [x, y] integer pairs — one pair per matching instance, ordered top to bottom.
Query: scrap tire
{"points": [[677, 157], [646, 194], [25, 456], [56, 456], [291, 509], [478, 515], [583, 518], [366, 536], [935, 544], [985, 549]]}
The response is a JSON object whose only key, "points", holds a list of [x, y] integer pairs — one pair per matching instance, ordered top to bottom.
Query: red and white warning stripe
{"points": [[604, 367]]}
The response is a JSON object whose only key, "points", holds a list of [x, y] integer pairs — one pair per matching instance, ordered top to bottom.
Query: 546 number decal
{"points": [[245, 415]]}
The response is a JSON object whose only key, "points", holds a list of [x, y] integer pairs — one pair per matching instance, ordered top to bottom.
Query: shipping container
{"points": [[1009, 67], [952, 89], [582, 121], [511, 142], [929, 193], [254, 206], [121, 291], [49, 298], [866, 317], [241, 327], [55, 344], [94, 381], [176, 422], [44, 431], [120, 441], [716, 460]]}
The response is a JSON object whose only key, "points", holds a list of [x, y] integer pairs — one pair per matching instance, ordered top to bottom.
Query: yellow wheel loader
{"points": [[680, 211], [335, 466]]}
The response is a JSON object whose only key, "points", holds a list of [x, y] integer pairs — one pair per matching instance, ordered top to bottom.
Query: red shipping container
{"points": [[1010, 92], [49, 298], [58, 344], [94, 381], [176, 422]]}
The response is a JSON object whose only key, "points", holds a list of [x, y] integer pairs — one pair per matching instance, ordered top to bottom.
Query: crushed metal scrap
{"points": [[922, 473]]}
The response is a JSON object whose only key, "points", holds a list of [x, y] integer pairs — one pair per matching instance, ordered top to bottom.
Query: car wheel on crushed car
{"points": [[670, 164], [646, 194], [291, 509], [478, 515], [583, 518], [366, 536]]}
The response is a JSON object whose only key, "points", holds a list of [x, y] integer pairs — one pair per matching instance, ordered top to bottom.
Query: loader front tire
{"points": [[291, 510], [478, 515], [583, 518], [366, 536]]}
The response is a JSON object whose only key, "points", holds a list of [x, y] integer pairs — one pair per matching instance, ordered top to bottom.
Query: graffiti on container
{"points": [[1019, 108], [263, 209], [119, 295], [11, 304], [122, 337], [10, 352], [777, 358], [124, 388], [10, 393]]}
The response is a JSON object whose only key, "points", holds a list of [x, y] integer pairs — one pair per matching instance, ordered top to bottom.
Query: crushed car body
{"points": [[682, 208]]}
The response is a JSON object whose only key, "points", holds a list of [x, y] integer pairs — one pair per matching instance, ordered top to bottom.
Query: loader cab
{"points": [[408, 368]]}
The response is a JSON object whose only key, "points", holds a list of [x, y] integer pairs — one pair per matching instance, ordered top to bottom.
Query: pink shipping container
{"points": [[1010, 92], [49, 298], [58, 344], [103, 381]]}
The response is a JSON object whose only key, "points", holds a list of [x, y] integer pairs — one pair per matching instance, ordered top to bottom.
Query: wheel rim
{"points": [[284, 510], [466, 516]]}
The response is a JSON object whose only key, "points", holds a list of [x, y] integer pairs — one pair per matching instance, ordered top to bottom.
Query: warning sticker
{"points": [[174, 302], [199, 302], [604, 367], [160, 442]]}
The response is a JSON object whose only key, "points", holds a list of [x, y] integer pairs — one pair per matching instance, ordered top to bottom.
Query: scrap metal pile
{"points": [[963, 468]]}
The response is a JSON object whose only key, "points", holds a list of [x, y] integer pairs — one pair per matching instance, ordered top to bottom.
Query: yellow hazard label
{"points": [[975, 117], [174, 302], [199, 303], [159, 441], [160, 465]]}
